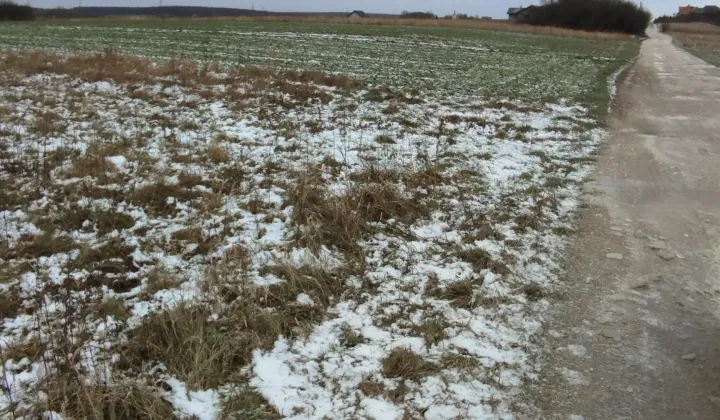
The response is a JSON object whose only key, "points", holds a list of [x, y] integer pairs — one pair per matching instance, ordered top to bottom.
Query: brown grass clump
{"points": [[384, 139], [217, 154], [154, 197], [323, 218], [105, 221], [527, 221], [194, 235], [43, 245], [482, 260], [159, 279], [317, 283], [533, 292], [461, 294], [10, 303], [113, 307], [432, 330], [349, 338], [30, 348], [202, 352], [463, 363], [406, 364], [371, 388], [128, 400], [244, 402]]}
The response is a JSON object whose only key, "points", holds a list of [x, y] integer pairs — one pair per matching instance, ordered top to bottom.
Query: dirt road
{"points": [[639, 337]]}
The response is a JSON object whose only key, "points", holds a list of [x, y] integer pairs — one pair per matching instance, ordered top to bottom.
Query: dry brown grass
{"points": [[491, 25], [695, 28], [699, 36], [120, 68], [217, 154], [154, 197], [105, 221], [43, 245], [482, 260], [160, 279], [322, 286], [461, 294], [10, 303], [113, 307], [432, 330], [349, 337], [28, 348], [199, 351], [206, 352], [459, 361], [406, 364], [371, 388], [127, 400], [244, 402]]}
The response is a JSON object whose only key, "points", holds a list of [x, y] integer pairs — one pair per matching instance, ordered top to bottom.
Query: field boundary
{"points": [[490, 25]]}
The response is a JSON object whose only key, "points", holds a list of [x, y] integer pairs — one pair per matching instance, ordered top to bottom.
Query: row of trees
{"points": [[13, 11], [418, 15], [592, 15], [713, 18]]}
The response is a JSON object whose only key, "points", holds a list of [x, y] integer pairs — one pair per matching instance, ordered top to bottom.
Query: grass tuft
{"points": [[406, 364]]}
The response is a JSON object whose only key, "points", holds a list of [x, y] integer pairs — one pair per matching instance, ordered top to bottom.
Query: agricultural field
{"points": [[701, 39], [256, 221]]}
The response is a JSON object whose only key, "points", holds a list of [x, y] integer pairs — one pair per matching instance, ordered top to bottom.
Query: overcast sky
{"points": [[494, 8]]}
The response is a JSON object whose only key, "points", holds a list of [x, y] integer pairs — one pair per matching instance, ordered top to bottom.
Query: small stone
{"points": [[616, 229], [618, 234], [639, 235], [686, 235], [658, 245], [666, 255], [614, 256], [680, 256], [657, 277], [640, 284], [617, 297], [615, 335], [689, 357], [714, 399]]}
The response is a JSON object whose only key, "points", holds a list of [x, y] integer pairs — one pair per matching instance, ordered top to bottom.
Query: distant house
{"points": [[686, 10], [707, 10], [357, 14], [520, 14]]}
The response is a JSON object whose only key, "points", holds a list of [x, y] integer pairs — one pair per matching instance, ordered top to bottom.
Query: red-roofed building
{"points": [[686, 10]]}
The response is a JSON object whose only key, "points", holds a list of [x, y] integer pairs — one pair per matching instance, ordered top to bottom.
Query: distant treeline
{"points": [[13, 11], [159, 11], [170, 12], [418, 15], [592, 15], [713, 18]]}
